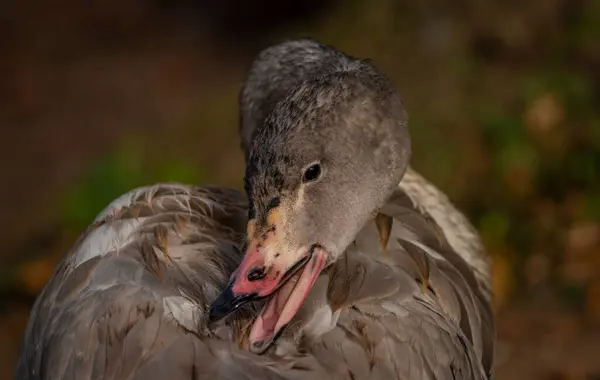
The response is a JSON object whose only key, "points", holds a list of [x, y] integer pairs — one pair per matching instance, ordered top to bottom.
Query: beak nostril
{"points": [[256, 274]]}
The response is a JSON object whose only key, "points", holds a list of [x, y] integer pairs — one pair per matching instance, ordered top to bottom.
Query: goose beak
{"points": [[285, 279]]}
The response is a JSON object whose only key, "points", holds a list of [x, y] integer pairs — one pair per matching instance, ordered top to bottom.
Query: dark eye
{"points": [[312, 173], [274, 203]]}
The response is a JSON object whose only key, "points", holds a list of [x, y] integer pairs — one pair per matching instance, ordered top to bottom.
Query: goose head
{"points": [[319, 168]]}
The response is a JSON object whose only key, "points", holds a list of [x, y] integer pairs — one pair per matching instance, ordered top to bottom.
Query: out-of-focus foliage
{"points": [[116, 173]]}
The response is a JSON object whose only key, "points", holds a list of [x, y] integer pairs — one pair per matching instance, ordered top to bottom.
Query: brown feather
{"points": [[384, 228], [420, 258]]}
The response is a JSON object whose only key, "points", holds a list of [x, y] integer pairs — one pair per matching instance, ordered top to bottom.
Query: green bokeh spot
{"points": [[116, 173]]}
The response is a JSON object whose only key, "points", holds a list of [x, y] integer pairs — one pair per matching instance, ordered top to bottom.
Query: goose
{"points": [[339, 262]]}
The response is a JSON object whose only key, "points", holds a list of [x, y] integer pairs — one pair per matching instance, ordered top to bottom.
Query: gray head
{"points": [[279, 69], [324, 161]]}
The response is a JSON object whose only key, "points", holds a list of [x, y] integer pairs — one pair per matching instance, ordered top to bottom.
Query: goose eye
{"points": [[312, 173], [273, 203]]}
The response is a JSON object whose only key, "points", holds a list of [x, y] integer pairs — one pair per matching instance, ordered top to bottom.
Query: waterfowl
{"points": [[328, 269]]}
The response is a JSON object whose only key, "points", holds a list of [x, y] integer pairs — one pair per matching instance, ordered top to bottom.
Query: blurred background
{"points": [[98, 97]]}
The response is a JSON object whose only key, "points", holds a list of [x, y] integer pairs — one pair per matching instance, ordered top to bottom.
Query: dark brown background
{"points": [[100, 96]]}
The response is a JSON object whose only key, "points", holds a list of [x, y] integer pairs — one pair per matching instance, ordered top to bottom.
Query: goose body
{"points": [[135, 297]]}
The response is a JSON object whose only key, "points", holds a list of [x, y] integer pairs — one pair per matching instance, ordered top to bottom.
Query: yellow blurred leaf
{"points": [[544, 114], [519, 181], [582, 237], [33, 275], [502, 280]]}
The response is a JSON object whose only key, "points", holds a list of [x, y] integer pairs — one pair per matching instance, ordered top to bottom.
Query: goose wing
{"points": [[129, 301], [420, 309]]}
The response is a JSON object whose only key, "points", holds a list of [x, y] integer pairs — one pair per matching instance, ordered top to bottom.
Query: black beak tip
{"points": [[226, 303], [222, 306]]}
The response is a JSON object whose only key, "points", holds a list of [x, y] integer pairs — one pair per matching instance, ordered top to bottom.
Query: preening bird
{"points": [[340, 262]]}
